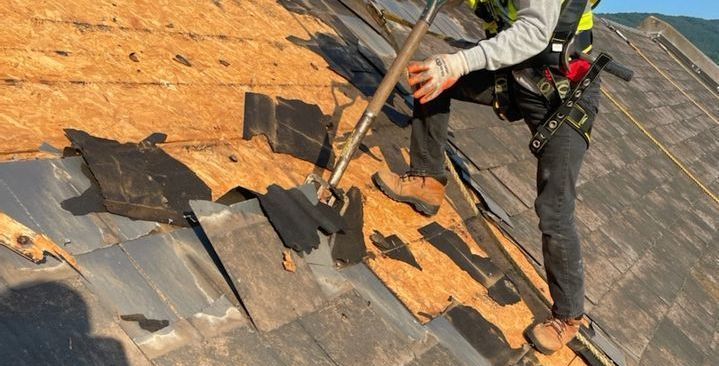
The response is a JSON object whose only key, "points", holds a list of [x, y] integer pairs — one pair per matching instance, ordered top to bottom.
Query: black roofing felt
{"points": [[39, 206], [504, 292], [150, 325]]}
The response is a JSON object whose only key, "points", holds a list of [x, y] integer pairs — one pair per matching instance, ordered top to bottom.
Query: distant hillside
{"points": [[702, 32]]}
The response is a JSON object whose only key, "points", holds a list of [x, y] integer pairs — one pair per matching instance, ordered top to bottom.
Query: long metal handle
{"points": [[385, 89]]}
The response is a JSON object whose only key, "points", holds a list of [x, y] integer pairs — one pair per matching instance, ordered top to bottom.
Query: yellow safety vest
{"points": [[506, 10]]}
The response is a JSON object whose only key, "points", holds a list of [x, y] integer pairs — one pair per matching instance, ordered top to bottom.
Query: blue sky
{"points": [[708, 9]]}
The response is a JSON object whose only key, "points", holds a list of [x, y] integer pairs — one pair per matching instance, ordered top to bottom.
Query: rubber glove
{"points": [[436, 74]]}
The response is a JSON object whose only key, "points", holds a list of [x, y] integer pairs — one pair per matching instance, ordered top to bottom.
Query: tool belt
{"points": [[570, 111]]}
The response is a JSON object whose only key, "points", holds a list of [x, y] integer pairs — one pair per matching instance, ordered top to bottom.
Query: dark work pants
{"points": [[557, 171]]}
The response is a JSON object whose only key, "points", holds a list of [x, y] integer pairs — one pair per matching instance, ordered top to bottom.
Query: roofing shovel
{"points": [[328, 191]]}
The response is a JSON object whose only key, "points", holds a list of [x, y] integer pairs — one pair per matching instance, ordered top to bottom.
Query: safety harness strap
{"points": [[566, 29], [562, 44], [554, 86], [502, 101], [570, 111]]}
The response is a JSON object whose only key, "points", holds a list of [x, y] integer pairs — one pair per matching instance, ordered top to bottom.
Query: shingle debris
{"points": [[291, 126], [140, 180], [296, 219], [349, 243], [393, 247]]}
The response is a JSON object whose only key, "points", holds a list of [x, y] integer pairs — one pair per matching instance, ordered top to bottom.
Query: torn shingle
{"points": [[259, 117], [291, 126], [303, 131], [140, 180], [39, 205], [296, 219], [448, 242], [349, 245], [393, 247], [504, 292], [150, 325], [486, 338]]}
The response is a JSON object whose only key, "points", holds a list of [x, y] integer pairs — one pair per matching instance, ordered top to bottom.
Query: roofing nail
{"points": [[181, 59], [24, 240]]}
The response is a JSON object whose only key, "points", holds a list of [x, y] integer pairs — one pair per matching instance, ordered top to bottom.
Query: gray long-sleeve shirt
{"points": [[527, 37]]}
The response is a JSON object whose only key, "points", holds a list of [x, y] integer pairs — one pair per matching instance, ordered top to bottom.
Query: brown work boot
{"points": [[425, 194], [553, 334]]}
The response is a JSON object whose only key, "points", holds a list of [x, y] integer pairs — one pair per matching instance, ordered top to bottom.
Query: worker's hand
{"points": [[436, 74]]}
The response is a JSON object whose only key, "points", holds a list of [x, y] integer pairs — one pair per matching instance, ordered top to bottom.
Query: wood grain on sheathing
{"points": [[125, 69]]}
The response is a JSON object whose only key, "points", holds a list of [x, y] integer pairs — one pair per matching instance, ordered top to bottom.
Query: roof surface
{"points": [[649, 231], [155, 294]]}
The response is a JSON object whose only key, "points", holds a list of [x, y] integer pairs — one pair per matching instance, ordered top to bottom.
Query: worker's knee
{"points": [[556, 213]]}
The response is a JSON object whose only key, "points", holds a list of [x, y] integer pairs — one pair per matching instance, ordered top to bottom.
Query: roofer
{"points": [[519, 71]]}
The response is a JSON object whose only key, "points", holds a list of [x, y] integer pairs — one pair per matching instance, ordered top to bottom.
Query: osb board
{"points": [[241, 19], [92, 84]]}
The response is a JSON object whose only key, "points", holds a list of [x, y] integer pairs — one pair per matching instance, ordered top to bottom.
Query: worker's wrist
{"points": [[475, 58], [461, 63]]}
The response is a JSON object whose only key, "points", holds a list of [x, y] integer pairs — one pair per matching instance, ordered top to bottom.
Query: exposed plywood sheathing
{"points": [[112, 69]]}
